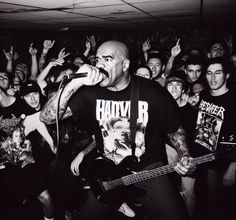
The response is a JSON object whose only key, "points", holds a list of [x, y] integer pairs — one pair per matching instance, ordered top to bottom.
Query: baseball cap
{"points": [[177, 77], [28, 87]]}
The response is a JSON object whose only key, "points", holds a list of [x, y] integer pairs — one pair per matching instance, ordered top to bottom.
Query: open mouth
{"points": [[104, 72]]}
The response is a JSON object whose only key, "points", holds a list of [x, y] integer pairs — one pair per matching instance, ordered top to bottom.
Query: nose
{"points": [[100, 64], [213, 76], [32, 97]]}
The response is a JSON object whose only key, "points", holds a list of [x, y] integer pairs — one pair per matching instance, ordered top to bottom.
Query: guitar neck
{"points": [[149, 174]]}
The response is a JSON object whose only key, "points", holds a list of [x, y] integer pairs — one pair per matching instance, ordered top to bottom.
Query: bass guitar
{"points": [[111, 182]]}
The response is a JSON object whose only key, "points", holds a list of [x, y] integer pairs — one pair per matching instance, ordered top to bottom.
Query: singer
{"points": [[106, 100]]}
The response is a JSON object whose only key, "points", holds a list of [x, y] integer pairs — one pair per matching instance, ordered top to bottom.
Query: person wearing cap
{"points": [[176, 85], [31, 93], [20, 175]]}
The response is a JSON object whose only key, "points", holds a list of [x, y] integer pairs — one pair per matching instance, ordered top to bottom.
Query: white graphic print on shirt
{"points": [[114, 121], [209, 122]]}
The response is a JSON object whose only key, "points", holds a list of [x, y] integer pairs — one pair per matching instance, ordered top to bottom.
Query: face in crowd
{"points": [[217, 50], [112, 56], [156, 67], [21, 72], [144, 72], [193, 72], [216, 77], [4, 81], [175, 88], [33, 100]]}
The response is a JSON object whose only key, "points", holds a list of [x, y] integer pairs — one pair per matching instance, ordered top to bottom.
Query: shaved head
{"points": [[118, 47]]}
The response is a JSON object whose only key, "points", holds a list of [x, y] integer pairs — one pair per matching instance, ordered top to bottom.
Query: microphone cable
{"points": [[58, 118]]}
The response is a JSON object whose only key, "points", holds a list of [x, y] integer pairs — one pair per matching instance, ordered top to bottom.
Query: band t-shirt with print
{"points": [[158, 114], [216, 120], [15, 148]]}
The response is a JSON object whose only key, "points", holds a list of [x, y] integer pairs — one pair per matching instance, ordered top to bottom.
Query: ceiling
{"points": [[111, 14]]}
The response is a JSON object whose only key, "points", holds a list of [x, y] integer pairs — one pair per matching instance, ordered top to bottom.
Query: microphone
{"points": [[84, 74]]}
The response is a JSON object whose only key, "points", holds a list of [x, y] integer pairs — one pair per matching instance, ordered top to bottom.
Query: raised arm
{"points": [[47, 45], [146, 46], [88, 47], [175, 51], [9, 56], [34, 62], [42, 76], [48, 114]]}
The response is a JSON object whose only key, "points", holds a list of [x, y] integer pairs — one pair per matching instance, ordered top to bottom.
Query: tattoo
{"points": [[42, 61], [49, 111], [179, 142]]}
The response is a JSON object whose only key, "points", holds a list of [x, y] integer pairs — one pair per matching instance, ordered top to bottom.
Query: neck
{"points": [[123, 83], [220, 91], [6, 100]]}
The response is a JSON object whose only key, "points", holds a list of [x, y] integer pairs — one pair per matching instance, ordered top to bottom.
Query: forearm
{"points": [[86, 52], [145, 55], [42, 60], [9, 66], [169, 66], [34, 68], [44, 73], [49, 112], [179, 142], [90, 147]]}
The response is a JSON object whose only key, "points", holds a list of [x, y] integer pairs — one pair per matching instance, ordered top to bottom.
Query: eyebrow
{"points": [[108, 56]]}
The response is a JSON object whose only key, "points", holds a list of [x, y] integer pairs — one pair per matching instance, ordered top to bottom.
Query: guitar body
{"points": [[102, 170]]}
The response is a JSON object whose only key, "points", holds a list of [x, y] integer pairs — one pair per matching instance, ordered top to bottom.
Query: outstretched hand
{"points": [[47, 44], [146, 45], [176, 49], [32, 51], [62, 53], [9, 55]]}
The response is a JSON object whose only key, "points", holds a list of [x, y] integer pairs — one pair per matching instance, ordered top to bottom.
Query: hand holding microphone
{"points": [[91, 74]]}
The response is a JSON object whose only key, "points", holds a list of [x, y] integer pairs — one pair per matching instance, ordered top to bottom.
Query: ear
{"points": [[126, 64], [227, 76]]}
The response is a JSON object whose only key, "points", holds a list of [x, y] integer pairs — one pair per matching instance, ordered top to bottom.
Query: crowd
{"points": [[54, 125]]}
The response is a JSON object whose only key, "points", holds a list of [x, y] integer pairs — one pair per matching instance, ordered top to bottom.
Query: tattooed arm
{"points": [[48, 114], [179, 142]]}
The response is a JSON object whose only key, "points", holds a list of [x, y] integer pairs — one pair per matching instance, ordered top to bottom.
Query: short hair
{"points": [[158, 56], [194, 60], [225, 63], [146, 67], [10, 76]]}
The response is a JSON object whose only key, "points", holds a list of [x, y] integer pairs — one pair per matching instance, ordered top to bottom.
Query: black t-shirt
{"points": [[110, 115], [216, 121], [15, 148]]}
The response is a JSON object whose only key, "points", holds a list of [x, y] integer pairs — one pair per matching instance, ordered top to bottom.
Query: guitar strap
{"points": [[134, 97]]}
